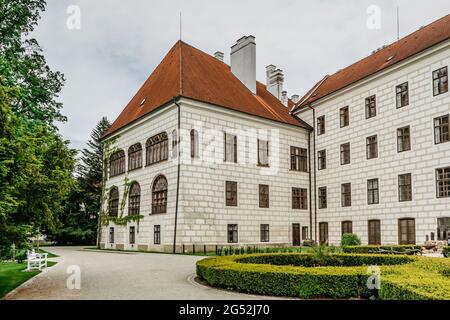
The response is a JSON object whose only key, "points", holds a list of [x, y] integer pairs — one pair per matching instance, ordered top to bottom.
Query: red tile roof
{"points": [[407, 47], [188, 72]]}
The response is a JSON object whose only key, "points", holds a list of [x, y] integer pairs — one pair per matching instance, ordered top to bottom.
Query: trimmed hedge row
{"points": [[375, 249], [335, 260], [407, 278]]}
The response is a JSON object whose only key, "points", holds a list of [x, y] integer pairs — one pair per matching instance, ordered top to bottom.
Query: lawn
{"points": [[12, 275]]}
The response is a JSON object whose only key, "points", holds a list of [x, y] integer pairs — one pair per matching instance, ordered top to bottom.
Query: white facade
{"points": [[421, 161], [203, 216]]}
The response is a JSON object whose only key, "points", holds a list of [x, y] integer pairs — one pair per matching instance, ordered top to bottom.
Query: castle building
{"points": [[206, 155]]}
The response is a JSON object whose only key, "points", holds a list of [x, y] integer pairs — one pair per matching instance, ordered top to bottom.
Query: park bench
{"points": [[36, 260]]}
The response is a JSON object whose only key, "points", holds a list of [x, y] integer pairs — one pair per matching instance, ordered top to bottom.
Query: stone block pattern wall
{"points": [[421, 161]]}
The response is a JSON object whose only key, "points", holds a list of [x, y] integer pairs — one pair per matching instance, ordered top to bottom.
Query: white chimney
{"points": [[218, 55], [243, 61], [274, 81], [284, 98], [295, 98]]}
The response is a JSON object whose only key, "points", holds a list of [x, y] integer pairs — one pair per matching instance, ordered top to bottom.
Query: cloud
{"points": [[121, 42]]}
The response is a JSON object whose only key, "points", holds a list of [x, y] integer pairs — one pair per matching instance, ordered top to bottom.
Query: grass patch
{"points": [[12, 275]]}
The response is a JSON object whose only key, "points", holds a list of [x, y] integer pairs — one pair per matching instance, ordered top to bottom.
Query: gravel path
{"points": [[113, 275]]}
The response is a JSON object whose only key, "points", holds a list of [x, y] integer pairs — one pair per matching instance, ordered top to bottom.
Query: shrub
{"points": [[350, 239], [376, 249], [446, 251]]}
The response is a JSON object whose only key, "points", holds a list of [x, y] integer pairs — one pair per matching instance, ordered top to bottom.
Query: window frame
{"points": [[437, 85], [402, 94], [371, 104], [344, 117], [321, 125], [441, 127], [401, 138], [194, 144], [369, 145], [234, 148], [157, 149], [343, 153], [266, 155], [135, 157], [299, 159], [322, 159], [117, 163], [445, 181], [402, 185], [372, 190], [231, 193], [160, 195], [264, 195], [346, 195], [323, 197], [299, 198], [134, 199], [113, 203], [346, 226], [264, 230], [323, 230], [374, 232], [232, 233], [157, 234], [132, 235], [111, 237], [411, 237]]}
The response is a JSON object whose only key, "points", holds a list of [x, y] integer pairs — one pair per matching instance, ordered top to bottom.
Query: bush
{"points": [[350, 239], [375, 249], [446, 251], [402, 277]]}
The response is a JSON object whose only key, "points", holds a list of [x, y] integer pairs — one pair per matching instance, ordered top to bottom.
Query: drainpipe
{"points": [[175, 100], [315, 171], [310, 189]]}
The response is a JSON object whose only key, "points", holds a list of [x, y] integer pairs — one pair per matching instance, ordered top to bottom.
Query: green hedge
{"points": [[375, 249], [446, 251], [402, 277]]}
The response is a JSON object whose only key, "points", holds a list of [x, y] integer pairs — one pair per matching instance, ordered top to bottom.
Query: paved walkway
{"points": [[114, 275]]}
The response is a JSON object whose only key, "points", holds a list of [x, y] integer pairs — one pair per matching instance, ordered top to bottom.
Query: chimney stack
{"points": [[218, 55], [243, 61], [274, 81], [284, 98], [295, 98]]}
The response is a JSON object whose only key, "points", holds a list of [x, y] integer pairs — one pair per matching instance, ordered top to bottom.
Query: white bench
{"points": [[36, 260]]}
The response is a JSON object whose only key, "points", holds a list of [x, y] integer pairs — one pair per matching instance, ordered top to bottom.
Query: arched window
{"points": [[194, 143], [174, 144], [157, 148], [135, 157], [117, 163], [159, 195], [134, 199], [114, 202]]}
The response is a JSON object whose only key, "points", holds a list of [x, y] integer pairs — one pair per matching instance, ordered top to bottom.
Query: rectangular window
{"points": [[440, 81], [402, 95], [371, 107], [344, 118], [320, 125], [441, 129], [403, 139], [372, 147], [230, 148], [263, 153], [345, 153], [299, 159], [322, 159], [117, 163], [443, 182], [404, 187], [372, 191], [231, 193], [346, 194], [263, 196], [322, 197], [299, 198], [346, 227], [374, 230], [443, 230], [406, 231], [323, 232], [232, 233], [264, 233], [304, 233], [157, 234], [111, 235], [132, 236]]}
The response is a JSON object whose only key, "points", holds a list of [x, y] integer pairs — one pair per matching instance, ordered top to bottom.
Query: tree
{"points": [[23, 66], [80, 218]]}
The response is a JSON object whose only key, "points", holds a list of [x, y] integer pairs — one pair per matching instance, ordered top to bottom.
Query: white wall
{"points": [[421, 161]]}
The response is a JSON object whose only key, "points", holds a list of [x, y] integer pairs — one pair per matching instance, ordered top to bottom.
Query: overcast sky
{"points": [[119, 43]]}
